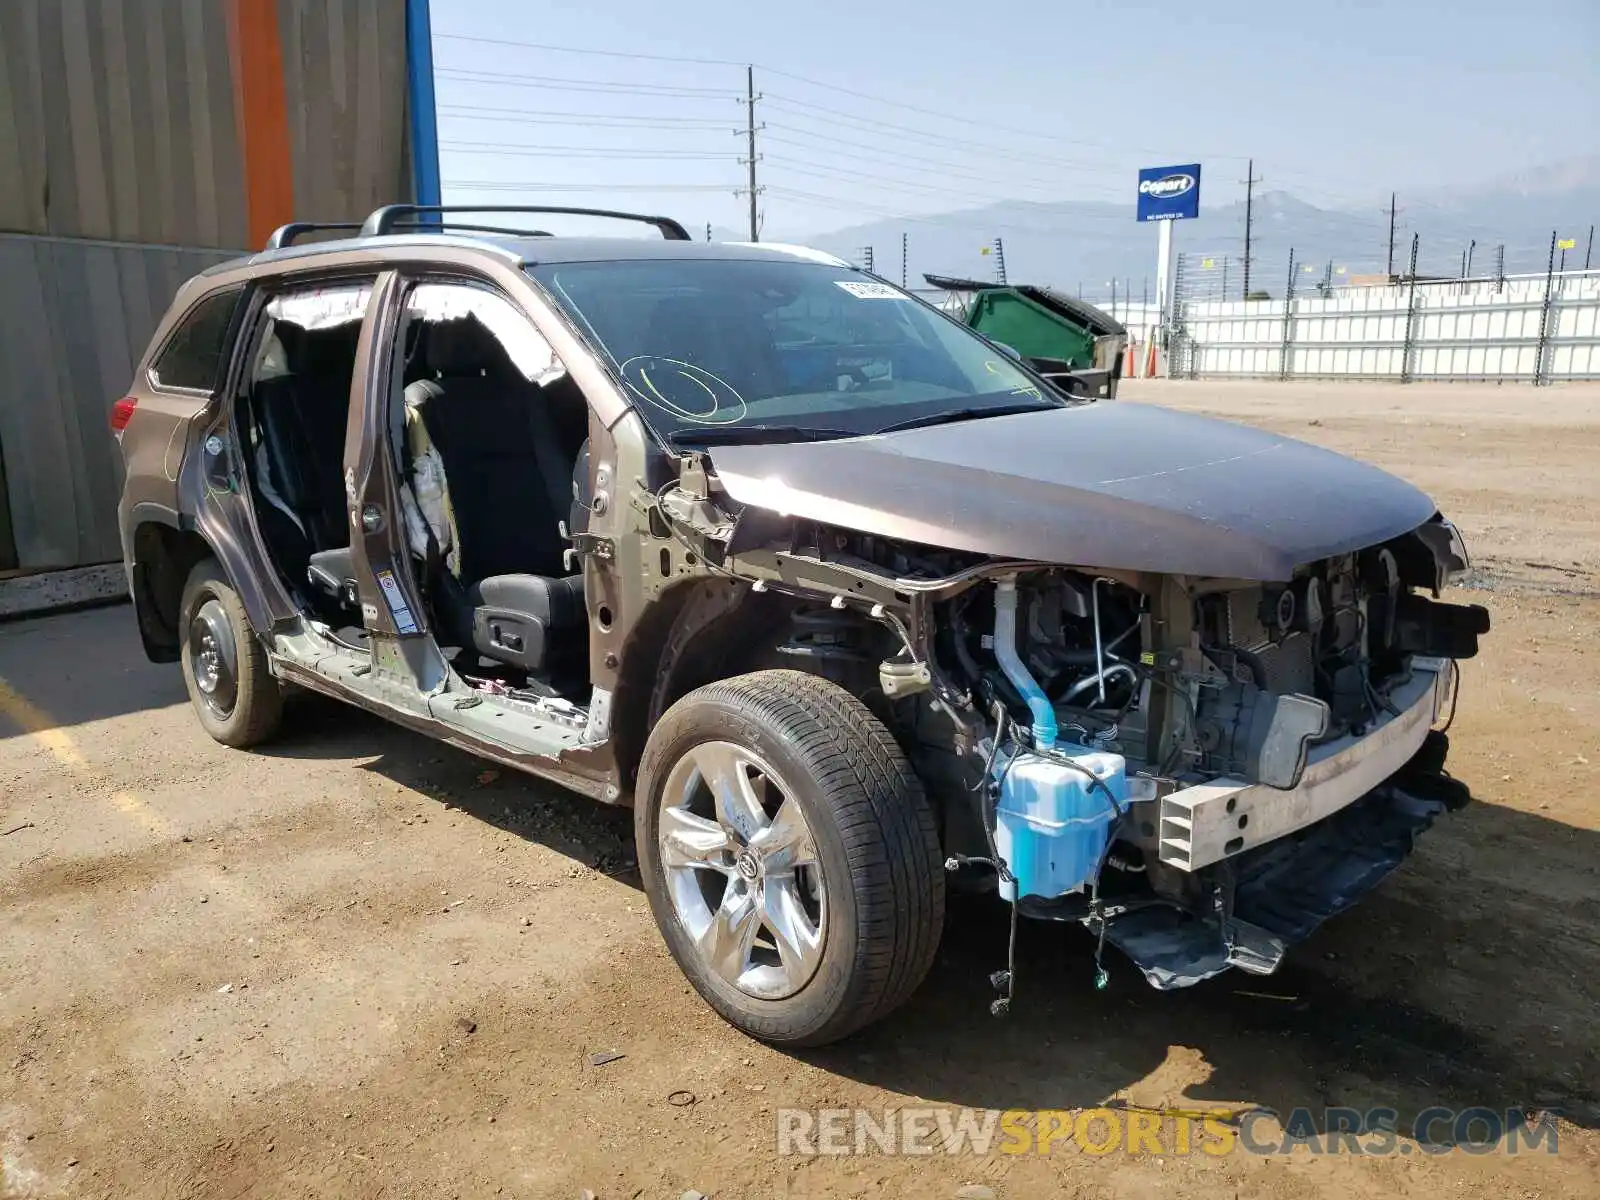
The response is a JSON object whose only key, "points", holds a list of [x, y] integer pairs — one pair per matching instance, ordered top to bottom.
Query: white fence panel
{"points": [[1459, 329]]}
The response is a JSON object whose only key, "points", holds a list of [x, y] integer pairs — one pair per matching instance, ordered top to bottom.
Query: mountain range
{"points": [[1081, 246]]}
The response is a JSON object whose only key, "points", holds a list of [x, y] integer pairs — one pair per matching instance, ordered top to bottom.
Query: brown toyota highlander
{"points": [[849, 603]]}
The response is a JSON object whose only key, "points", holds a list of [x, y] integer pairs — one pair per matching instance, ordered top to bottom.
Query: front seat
{"points": [[502, 590]]}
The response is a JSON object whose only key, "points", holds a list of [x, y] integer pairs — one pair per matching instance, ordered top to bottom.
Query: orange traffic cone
{"points": [[1150, 359], [1129, 366]]}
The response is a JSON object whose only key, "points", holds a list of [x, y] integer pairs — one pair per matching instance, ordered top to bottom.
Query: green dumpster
{"points": [[1076, 345]]}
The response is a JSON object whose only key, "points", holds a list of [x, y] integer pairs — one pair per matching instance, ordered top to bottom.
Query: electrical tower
{"points": [[1000, 262]]}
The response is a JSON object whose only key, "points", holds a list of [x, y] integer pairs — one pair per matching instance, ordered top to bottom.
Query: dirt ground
{"points": [[357, 963]]}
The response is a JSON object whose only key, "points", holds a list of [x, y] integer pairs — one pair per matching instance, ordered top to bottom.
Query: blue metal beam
{"points": [[419, 96]]}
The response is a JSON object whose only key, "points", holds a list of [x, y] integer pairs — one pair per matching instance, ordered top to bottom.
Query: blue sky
{"points": [[901, 107]]}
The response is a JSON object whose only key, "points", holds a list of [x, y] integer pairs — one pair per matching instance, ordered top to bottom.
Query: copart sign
{"points": [[1169, 193]]}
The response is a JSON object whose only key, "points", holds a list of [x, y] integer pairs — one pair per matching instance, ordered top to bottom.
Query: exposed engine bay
{"points": [[1157, 742], [1200, 770]]}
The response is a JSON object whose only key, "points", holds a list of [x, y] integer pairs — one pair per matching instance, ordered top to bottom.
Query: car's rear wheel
{"points": [[224, 664], [790, 856]]}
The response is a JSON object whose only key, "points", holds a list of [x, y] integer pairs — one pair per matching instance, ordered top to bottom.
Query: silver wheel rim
{"points": [[213, 658], [741, 870]]}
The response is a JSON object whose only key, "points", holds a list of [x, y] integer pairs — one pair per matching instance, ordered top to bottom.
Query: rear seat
{"points": [[303, 416]]}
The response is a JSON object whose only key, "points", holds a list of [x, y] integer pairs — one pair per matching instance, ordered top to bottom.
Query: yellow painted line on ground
{"points": [[41, 726], [47, 731]]}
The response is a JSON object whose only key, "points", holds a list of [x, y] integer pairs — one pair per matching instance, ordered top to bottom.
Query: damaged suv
{"points": [[848, 602]]}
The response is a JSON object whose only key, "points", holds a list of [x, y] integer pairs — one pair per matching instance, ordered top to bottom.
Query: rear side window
{"points": [[194, 352]]}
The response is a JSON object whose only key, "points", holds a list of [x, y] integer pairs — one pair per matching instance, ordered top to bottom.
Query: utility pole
{"points": [[750, 99], [1392, 211], [1249, 220], [905, 242], [1471, 246], [1589, 249], [1000, 263], [1500, 267], [1224, 277], [1113, 297]]}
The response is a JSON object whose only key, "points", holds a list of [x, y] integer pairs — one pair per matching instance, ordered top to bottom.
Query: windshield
{"points": [[782, 351]]}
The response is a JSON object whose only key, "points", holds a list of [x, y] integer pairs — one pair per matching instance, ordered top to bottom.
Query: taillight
{"points": [[122, 413]]}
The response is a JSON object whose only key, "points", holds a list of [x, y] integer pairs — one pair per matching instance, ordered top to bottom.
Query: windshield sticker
{"points": [[869, 291], [1004, 369], [690, 393]]}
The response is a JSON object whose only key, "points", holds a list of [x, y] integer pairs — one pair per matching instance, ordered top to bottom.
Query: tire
{"points": [[225, 665], [859, 894]]}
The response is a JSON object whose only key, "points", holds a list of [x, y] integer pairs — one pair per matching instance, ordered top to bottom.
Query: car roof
{"points": [[532, 251]]}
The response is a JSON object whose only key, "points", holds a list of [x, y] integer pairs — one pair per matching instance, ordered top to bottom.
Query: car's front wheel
{"points": [[224, 664], [790, 856]]}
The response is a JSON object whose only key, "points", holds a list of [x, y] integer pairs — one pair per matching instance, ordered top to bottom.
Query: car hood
{"points": [[1112, 485]]}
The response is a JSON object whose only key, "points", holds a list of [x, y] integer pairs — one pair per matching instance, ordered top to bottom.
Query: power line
{"points": [[676, 58], [817, 83], [586, 85], [837, 115], [944, 116], [597, 120], [858, 120], [515, 149], [890, 159], [820, 171], [502, 185], [953, 221], [1072, 223]]}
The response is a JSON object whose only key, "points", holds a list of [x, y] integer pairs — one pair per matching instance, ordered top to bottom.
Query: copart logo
{"points": [[1166, 186]]}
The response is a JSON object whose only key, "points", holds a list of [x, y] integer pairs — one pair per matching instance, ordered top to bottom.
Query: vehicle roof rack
{"points": [[385, 219], [285, 235]]}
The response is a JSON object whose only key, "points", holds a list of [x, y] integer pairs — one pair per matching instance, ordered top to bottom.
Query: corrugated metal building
{"points": [[140, 141]]}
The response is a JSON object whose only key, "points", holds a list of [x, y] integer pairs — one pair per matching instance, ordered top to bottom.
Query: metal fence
{"points": [[75, 315], [1534, 329]]}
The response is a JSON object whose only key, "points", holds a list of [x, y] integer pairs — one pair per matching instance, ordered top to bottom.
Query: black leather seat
{"points": [[302, 416], [486, 419], [508, 481], [530, 621]]}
